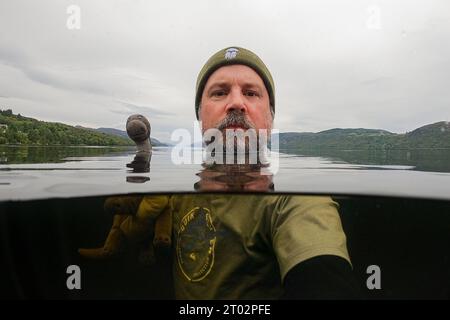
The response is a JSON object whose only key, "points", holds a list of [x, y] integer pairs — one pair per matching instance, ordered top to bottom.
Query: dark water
{"points": [[54, 154], [433, 160], [395, 210], [408, 239]]}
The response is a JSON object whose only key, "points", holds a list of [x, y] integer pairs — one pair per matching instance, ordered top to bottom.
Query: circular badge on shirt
{"points": [[195, 244]]}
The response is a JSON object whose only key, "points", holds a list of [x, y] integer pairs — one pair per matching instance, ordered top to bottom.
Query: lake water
{"points": [[28, 173], [394, 207]]}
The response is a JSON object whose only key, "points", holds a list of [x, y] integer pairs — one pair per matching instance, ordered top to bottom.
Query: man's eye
{"points": [[218, 93], [251, 93]]}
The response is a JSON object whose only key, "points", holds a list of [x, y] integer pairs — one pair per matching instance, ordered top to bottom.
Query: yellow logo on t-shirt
{"points": [[196, 241]]}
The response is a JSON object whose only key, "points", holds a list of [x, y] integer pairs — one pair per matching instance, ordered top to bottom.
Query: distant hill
{"points": [[17, 129], [114, 132], [355, 132], [123, 134], [436, 135]]}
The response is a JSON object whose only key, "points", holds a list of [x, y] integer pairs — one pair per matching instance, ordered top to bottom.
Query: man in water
{"points": [[229, 246]]}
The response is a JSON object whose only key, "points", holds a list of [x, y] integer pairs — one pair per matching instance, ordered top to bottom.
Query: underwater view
{"points": [[46, 224]]}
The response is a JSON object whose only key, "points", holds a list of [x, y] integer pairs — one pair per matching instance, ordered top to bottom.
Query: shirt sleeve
{"points": [[303, 227]]}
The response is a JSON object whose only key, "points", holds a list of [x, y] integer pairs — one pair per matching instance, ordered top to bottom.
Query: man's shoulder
{"points": [[303, 201]]}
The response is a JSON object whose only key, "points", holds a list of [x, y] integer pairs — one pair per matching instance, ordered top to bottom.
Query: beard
{"points": [[233, 127], [240, 139]]}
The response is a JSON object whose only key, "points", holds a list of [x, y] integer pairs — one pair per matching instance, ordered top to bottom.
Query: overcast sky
{"points": [[372, 64]]}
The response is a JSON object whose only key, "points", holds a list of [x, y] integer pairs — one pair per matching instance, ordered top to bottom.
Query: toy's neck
{"points": [[144, 146]]}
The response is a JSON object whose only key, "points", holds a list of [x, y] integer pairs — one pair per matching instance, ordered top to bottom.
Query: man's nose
{"points": [[236, 101]]}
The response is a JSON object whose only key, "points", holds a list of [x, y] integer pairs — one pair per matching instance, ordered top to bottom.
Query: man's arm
{"points": [[322, 277]]}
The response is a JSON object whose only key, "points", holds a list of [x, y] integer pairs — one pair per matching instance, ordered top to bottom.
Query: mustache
{"points": [[235, 118]]}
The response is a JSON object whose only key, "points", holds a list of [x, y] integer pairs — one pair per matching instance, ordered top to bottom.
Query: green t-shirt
{"points": [[242, 246]]}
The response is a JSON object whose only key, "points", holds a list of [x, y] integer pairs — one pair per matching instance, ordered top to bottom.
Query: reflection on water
{"points": [[55, 154], [436, 160], [140, 164], [107, 171], [234, 178]]}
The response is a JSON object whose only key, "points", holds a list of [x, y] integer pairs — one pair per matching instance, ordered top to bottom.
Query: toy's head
{"points": [[138, 128]]}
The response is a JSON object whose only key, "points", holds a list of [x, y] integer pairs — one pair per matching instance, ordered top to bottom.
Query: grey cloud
{"points": [[11, 57], [330, 70], [46, 76], [375, 81], [145, 110]]}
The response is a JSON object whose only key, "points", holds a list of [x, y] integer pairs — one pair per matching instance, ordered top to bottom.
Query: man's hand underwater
{"points": [[136, 220]]}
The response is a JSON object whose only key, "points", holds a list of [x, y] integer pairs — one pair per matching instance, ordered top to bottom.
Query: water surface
{"points": [[59, 172]]}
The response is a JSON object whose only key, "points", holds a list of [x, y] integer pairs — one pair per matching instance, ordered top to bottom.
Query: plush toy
{"points": [[139, 129], [136, 218]]}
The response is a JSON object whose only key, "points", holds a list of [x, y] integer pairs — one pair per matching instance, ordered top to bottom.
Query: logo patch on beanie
{"points": [[231, 53]]}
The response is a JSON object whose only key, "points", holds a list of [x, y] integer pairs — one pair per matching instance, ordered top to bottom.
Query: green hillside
{"points": [[17, 129], [436, 135]]}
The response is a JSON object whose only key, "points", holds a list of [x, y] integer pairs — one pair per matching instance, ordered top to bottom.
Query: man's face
{"points": [[235, 97]]}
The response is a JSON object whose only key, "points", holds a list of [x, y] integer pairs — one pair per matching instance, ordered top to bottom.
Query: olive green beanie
{"points": [[230, 56]]}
